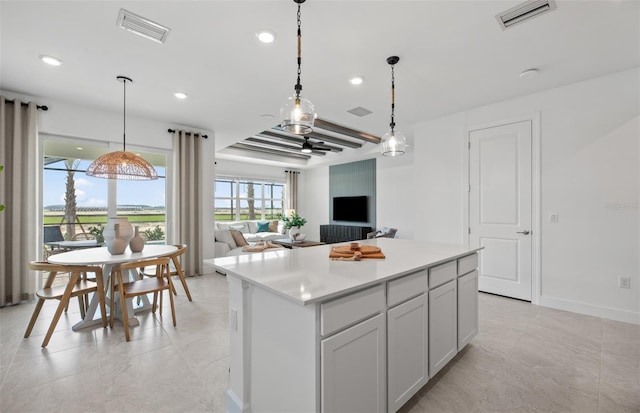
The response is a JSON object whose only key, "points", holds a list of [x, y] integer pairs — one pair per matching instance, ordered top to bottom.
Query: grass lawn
{"points": [[102, 219]]}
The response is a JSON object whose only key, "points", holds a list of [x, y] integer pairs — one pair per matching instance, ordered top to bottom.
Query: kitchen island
{"points": [[310, 334]]}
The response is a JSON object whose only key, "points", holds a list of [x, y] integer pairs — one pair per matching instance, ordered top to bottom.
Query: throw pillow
{"points": [[263, 226], [273, 226], [239, 227], [224, 235], [238, 238]]}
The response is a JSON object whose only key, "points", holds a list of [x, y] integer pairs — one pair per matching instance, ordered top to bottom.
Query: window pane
{"points": [[144, 202]]}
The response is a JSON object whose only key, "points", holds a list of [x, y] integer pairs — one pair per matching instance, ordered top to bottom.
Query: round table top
{"points": [[100, 256]]}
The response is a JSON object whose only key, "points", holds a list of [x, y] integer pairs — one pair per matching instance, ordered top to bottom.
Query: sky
{"points": [[92, 192]]}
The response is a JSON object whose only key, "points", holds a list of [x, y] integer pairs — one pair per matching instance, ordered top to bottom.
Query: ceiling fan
{"points": [[307, 147]]}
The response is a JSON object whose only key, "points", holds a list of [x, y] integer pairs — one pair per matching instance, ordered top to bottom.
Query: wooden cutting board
{"points": [[368, 251]]}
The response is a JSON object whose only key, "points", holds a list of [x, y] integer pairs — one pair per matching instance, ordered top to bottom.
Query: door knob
{"points": [[525, 232]]}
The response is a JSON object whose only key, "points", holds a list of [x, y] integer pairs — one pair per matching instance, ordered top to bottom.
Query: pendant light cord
{"points": [[298, 86], [393, 98], [124, 116]]}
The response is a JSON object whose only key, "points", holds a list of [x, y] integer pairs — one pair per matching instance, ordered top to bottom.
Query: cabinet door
{"points": [[467, 308], [443, 343], [407, 353], [353, 368]]}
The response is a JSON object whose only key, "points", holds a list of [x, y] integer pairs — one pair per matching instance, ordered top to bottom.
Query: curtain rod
{"points": [[43, 107], [188, 133], [294, 172]]}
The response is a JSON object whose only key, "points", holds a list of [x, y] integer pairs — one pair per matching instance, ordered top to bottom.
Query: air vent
{"points": [[524, 12], [142, 27], [360, 111]]}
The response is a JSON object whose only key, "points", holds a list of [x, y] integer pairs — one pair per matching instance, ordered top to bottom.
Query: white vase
{"points": [[126, 230], [293, 233], [116, 246]]}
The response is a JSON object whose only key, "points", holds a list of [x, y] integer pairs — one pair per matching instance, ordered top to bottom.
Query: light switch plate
{"points": [[553, 217]]}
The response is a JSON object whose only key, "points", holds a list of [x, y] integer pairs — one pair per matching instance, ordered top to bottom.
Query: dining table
{"points": [[75, 245], [101, 256]]}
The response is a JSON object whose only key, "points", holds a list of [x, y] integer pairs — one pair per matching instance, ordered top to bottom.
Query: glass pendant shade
{"points": [[298, 115], [394, 143], [122, 165]]}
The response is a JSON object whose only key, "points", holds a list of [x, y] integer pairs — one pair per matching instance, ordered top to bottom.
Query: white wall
{"points": [[80, 122], [590, 175]]}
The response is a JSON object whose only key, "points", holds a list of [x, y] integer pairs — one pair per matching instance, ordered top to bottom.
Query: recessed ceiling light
{"points": [[266, 36], [50, 60], [529, 73], [356, 80], [180, 95], [267, 116], [79, 148]]}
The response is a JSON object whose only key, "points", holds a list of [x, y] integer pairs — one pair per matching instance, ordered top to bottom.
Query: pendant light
{"points": [[298, 114], [394, 142], [122, 164]]}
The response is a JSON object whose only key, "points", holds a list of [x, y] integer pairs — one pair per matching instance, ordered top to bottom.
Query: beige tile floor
{"points": [[525, 359]]}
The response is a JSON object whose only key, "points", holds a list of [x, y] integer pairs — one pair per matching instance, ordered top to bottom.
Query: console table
{"points": [[332, 233]]}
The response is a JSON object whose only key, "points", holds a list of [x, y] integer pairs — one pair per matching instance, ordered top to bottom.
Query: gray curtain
{"points": [[292, 190], [188, 194], [18, 232]]}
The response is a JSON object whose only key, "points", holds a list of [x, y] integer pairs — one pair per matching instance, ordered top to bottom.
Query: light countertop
{"points": [[308, 275]]}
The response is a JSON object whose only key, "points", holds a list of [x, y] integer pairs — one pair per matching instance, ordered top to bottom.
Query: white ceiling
{"points": [[453, 56]]}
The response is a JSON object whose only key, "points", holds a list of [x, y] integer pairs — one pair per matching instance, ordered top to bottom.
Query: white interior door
{"points": [[500, 202]]}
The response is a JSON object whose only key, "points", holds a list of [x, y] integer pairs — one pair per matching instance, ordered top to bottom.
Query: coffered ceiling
{"points": [[453, 56]]}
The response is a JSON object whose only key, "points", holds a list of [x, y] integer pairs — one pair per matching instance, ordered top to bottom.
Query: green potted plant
{"points": [[294, 221], [97, 232]]}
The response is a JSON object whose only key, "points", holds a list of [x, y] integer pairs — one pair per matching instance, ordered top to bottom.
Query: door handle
{"points": [[525, 232]]}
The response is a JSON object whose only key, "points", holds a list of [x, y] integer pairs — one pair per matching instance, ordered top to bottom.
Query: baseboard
{"points": [[609, 313], [234, 405]]}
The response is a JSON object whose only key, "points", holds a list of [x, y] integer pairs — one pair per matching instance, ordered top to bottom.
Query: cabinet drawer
{"points": [[467, 264], [442, 273], [406, 287], [348, 310]]}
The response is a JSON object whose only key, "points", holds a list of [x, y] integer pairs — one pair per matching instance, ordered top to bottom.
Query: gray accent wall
{"points": [[354, 179]]}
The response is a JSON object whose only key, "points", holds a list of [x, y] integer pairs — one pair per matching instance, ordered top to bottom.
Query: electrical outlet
{"points": [[553, 217], [624, 282]]}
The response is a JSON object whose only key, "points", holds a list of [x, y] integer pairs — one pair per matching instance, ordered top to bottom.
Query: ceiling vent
{"points": [[524, 12], [142, 27], [360, 111]]}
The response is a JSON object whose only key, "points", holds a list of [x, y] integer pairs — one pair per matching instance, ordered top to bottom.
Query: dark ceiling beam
{"points": [[343, 130], [323, 138], [277, 146], [245, 147]]}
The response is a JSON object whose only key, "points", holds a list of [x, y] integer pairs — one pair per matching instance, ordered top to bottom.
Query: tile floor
{"points": [[525, 359]]}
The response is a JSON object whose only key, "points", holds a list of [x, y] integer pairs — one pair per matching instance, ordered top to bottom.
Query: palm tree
{"points": [[70, 205]]}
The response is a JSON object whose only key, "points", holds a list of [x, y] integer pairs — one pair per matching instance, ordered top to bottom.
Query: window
{"points": [[244, 199], [76, 202]]}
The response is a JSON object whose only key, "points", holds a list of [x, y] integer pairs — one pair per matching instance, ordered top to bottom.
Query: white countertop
{"points": [[308, 275]]}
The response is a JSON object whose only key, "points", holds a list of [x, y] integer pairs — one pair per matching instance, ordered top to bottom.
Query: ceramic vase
{"points": [[126, 230], [294, 233], [137, 242], [117, 245]]}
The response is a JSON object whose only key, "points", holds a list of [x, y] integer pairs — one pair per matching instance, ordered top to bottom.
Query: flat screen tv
{"points": [[350, 209]]}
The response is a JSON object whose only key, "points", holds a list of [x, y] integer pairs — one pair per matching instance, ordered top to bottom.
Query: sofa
{"points": [[253, 231]]}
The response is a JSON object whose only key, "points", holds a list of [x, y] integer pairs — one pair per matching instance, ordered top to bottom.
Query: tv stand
{"points": [[332, 233]]}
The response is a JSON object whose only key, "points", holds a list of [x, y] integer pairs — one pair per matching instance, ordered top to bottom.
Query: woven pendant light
{"points": [[122, 164]]}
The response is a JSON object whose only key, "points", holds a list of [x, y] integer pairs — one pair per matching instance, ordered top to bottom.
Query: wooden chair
{"points": [[82, 236], [175, 269], [77, 286], [128, 289]]}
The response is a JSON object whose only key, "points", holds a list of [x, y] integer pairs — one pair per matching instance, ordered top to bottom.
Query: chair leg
{"points": [[182, 279], [112, 293], [101, 299], [63, 303], [123, 304], [173, 309], [34, 317]]}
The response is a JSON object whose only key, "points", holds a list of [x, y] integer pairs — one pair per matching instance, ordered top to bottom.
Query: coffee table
{"points": [[289, 243]]}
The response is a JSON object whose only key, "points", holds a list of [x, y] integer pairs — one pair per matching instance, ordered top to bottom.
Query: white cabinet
{"points": [[467, 308], [443, 344], [407, 353], [353, 368]]}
